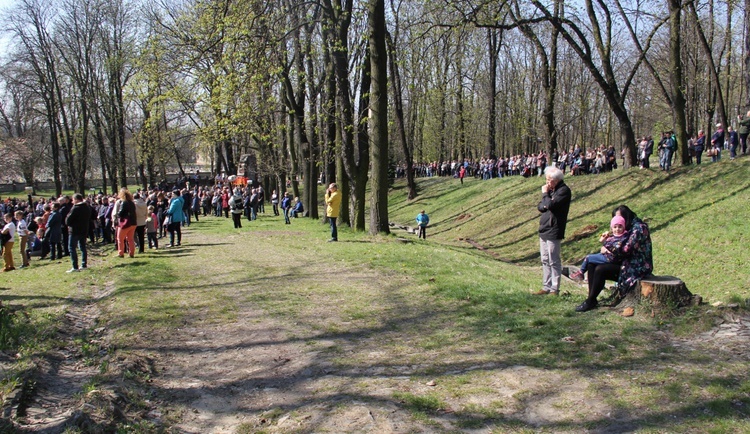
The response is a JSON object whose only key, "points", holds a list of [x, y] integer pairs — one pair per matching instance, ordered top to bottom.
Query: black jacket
{"points": [[554, 208], [78, 219]]}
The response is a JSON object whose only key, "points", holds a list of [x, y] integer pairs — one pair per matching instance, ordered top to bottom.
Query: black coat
{"points": [[554, 208], [78, 219]]}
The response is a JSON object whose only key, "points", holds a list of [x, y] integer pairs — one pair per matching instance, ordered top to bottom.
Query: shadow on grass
{"points": [[531, 327]]}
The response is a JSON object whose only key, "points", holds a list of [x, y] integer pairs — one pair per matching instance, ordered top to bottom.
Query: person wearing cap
{"points": [[717, 142], [554, 207], [612, 241]]}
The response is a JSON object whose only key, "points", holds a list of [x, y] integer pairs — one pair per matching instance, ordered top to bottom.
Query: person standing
{"points": [[744, 131], [733, 140], [717, 143], [700, 144], [333, 202], [275, 203], [236, 205], [65, 206], [554, 208], [141, 214], [176, 216], [77, 221], [422, 221], [126, 223], [53, 232], [23, 237], [9, 238]]}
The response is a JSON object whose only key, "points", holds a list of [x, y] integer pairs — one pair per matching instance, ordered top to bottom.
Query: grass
{"points": [[443, 309]]}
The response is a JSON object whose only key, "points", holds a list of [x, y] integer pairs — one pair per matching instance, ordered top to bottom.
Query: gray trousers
{"points": [[551, 264]]}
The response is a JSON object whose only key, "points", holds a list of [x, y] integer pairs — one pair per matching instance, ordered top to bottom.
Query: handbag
{"points": [[168, 220]]}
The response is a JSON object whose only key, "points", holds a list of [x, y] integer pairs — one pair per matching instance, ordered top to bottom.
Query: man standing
{"points": [[333, 202], [554, 208], [77, 222]]}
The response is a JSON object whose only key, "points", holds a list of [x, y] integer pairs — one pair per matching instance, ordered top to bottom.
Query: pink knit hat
{"points": [[617, 220]]}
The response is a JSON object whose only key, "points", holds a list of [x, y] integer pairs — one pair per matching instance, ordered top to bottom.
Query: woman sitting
{"points": [[635, 260]]}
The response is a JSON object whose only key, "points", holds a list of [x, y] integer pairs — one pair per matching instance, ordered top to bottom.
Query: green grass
{"points": [[441, 305]]}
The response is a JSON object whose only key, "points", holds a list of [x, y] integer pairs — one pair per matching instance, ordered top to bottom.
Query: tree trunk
{"points": [[678, 95], [398, 106], [378, 119]]}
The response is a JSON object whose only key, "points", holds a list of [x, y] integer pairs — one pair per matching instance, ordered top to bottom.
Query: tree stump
{"points": [[661, 292]]}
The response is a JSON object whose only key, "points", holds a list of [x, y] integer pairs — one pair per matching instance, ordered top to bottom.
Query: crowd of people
{"points": [[575, 160], [58, 227]]}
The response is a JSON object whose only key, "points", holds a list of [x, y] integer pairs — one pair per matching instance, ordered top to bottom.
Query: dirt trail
{"points": [[324, 355], [49, 401]]}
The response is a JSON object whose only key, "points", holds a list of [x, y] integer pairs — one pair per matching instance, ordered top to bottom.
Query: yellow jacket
{"points": [[334, 204]]}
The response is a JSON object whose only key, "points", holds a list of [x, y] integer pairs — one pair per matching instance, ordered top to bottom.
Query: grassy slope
{"points": [[697, 215]]}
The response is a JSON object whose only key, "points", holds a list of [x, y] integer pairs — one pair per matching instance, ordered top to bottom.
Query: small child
{"points": [[422, 221], [152, 226], [612, 241], [35, 244]]}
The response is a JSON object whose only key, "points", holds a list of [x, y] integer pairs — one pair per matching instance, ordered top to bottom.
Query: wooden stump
{"points": [[661, 292]]}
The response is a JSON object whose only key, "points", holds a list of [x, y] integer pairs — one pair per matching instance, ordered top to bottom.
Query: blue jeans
{"points": [[666, 159], [286, 216], [334, 229], [77, 241], [594, 258]]}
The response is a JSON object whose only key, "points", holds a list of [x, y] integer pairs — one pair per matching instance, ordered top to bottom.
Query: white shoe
{"points": [[72, 270]]}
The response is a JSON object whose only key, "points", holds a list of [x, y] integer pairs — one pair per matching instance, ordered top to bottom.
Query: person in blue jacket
{"points": [[286, 204], [176, 216], [422, 221]]}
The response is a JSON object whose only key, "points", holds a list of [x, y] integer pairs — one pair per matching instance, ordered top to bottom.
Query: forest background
{"points": [[114, 89]]}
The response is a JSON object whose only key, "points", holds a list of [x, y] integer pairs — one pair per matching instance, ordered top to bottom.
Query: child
{"points": [[422, 221], [152, 226], [23, 237], [9, 239], [612, 241], [35, 244]]}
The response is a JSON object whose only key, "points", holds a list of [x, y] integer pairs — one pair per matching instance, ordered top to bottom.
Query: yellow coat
{"points": [[333, 201]]}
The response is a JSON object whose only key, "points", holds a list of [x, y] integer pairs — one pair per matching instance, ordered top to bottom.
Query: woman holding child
{"points": [[631, 262]]}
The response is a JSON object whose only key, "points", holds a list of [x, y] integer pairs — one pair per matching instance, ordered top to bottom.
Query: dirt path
{"points": [[316, 346], [317, 364]]}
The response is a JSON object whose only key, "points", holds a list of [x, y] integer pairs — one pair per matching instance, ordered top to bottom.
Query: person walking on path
{"points": [[333, 202], [286, 205], [554, 208], [78, 228]]}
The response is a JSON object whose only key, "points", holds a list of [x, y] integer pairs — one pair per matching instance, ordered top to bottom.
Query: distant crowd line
{"points": [[129, 221]]}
